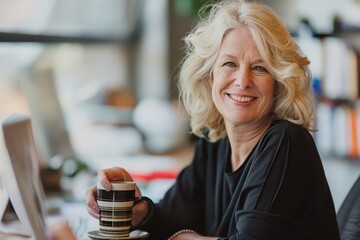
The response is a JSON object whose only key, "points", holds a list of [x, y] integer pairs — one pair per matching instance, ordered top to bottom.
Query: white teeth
{"points": [[242, 99]]}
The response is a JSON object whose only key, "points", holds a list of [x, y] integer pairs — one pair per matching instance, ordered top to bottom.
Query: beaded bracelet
{"points": [[180, 232]]}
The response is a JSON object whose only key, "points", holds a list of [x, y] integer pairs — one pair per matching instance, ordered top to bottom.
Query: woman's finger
{"points": [[112, 174], [91, 205]]}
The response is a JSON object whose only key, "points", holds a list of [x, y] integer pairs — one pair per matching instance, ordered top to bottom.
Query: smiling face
{"points": [[242, 87]]}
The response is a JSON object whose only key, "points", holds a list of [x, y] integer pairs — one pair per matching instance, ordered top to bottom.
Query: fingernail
{"points": [[107, 186], [95, 209], [97, 216]]}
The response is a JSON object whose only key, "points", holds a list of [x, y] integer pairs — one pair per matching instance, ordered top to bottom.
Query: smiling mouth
{"points": [[242, 99]]}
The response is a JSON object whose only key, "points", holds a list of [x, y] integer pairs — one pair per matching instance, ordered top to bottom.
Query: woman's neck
{"points": [[243, 139]]}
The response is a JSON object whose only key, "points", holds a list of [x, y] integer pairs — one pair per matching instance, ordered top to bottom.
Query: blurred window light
{"points": [[113, 18]]}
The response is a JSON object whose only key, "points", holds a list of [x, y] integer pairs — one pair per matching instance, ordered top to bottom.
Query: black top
{"points": [[279, 192]]}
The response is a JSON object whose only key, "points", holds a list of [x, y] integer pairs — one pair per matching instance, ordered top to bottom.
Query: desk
{"points": [[74, 212]]}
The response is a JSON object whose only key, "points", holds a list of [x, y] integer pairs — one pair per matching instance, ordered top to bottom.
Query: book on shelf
{"points": [[341, 67], [338, 129]]}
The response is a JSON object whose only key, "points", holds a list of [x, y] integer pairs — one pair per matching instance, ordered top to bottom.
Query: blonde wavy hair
{"points": [[281, 54]]}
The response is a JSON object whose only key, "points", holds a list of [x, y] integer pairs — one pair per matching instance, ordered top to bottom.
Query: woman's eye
{"points": [[229, 64], [260, 69]]}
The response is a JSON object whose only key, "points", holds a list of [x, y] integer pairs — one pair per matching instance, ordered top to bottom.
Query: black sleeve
{"points": [[181, 207], [257, 225]]}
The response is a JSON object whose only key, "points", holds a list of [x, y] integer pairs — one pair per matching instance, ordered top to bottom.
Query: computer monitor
{"points": [[20, 176]]}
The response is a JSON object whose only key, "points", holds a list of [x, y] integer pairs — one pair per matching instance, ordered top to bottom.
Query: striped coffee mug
{"points": [[116, 208]]}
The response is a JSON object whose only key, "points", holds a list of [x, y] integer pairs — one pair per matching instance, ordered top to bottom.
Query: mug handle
{"points": [[151, 209]]}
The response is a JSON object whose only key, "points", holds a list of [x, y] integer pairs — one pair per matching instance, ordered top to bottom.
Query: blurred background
{"points": [[98, 79], [99, 82]]}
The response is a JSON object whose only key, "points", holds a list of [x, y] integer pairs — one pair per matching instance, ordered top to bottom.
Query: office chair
{"points": [[348, 216]]}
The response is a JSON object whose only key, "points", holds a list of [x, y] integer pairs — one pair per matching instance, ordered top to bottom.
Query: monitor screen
{"points": [[19, 174]]}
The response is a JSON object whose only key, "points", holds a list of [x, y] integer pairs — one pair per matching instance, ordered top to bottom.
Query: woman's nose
{"points": [[242, 78]]}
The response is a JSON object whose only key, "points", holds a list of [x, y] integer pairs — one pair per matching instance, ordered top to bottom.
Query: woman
{"points": [[256, 172]]}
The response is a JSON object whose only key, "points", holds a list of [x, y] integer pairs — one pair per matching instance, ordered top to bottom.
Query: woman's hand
{"points": [[140, 210]]}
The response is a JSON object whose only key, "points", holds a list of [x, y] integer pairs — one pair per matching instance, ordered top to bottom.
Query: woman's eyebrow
{"points": [[257, 61]]}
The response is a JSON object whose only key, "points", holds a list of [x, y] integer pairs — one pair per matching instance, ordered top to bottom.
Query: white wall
{"points": [[341, 174]]}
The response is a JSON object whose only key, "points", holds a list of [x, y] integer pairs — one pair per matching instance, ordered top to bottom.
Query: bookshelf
{"points": [[336, 79]]}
